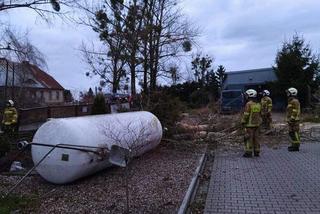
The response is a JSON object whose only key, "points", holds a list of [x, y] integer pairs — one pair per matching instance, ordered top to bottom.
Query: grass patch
{"points": [[13, 203]]}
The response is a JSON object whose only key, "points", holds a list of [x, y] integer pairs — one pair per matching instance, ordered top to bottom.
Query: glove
{"points": [[292, 120]]}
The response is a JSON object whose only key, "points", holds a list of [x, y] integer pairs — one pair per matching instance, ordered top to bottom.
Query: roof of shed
{"points": [[254, 76]]}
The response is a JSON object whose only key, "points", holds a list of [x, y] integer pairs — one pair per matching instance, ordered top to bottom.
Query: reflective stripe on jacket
{"points": [[266, 105], [293, 110], [10, 116], [251, 116]]}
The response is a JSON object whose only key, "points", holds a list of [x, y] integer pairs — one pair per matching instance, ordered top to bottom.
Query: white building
{"points": [[28, 85]]}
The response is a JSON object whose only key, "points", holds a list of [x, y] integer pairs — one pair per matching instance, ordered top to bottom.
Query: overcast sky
{"points": [[239, 34]]}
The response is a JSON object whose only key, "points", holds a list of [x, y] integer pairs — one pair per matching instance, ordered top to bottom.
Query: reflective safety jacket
{"points": [[266, 105], [293, 110], [10, 116], [251, 116]]}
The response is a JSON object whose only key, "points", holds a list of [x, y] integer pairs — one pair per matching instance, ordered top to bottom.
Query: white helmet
{"points": [[292, 92], [251, 93], [266, 93], [10, 102]]}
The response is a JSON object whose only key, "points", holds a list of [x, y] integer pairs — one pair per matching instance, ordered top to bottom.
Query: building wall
{"points": [[250, 77], [255, 79], [28, 85], [50, 96], [33, 97]]}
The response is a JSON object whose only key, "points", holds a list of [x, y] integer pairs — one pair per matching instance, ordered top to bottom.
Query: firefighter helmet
{"points": [[292, 92], [251, 93], [266, 93], [10, 103]]}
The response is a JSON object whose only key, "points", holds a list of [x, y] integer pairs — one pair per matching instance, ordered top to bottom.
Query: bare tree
{"points": [[39, 6], [44, 8], [152, 33], [132, 35], [168, 36], [19, 48], [18, 58], [107, 61], [108, 66], [136, 137]]}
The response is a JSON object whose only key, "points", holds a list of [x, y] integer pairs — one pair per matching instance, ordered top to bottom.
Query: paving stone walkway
{"points": [[276, 182]]}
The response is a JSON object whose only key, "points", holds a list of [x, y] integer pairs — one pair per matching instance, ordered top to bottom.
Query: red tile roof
{"points": [[44, 78]]}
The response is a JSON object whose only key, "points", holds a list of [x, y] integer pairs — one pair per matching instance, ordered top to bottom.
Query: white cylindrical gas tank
{"points": [[137, 131]]}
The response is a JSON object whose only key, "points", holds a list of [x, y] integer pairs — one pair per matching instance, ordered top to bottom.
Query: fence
{"points": [[41, 114]]}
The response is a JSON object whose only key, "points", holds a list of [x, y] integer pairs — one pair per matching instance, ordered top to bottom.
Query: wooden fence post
{"points": [[76, 108], [48, 112]]}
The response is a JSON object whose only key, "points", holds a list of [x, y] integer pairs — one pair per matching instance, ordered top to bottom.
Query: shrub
{"points": [[199, 98], [99, 105], [166, 107]]}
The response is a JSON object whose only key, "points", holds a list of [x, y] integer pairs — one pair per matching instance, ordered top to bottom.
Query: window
{"points": [[38, 94], [50, 95], [57, 95], [84, 109]]}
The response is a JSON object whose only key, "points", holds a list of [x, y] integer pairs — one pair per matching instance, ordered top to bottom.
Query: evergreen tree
{"points": [[296, 66], [221, 75], [212, 84], [99, 105]]}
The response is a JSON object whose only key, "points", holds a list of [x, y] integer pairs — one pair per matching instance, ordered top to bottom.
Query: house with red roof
{"points": [[28, 85]]}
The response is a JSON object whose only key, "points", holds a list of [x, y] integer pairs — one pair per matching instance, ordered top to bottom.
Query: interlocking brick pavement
{"points": [[276, 182]]}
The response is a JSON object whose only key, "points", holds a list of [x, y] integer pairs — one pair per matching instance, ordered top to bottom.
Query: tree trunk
{"points": [[145, 66], [133, 79], [115, 82]]}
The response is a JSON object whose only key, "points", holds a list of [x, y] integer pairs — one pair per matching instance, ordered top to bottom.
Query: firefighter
{"points": [[266, 108], [10, 118], [293, 118], [251, 120]]}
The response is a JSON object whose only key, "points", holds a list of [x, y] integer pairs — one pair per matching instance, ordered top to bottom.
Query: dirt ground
{"points": [[157, 182]]}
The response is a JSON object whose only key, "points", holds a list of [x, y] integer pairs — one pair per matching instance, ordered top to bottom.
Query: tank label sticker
{"points": [[65, 157]]}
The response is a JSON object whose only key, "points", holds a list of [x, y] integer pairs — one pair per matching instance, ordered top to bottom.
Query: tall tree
{"points": [[154, 33], [132, 36], [167, 36], [108, 63], [201, 65], [296, 66], [221, 76]]}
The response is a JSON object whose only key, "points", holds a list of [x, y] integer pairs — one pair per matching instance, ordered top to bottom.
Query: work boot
{"points": [[293, 148], [256, 154], [247, 155]]}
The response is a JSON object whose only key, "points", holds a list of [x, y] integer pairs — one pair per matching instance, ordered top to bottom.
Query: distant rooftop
{"points": [[251, 70], [28, 73], [249, 77]]}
